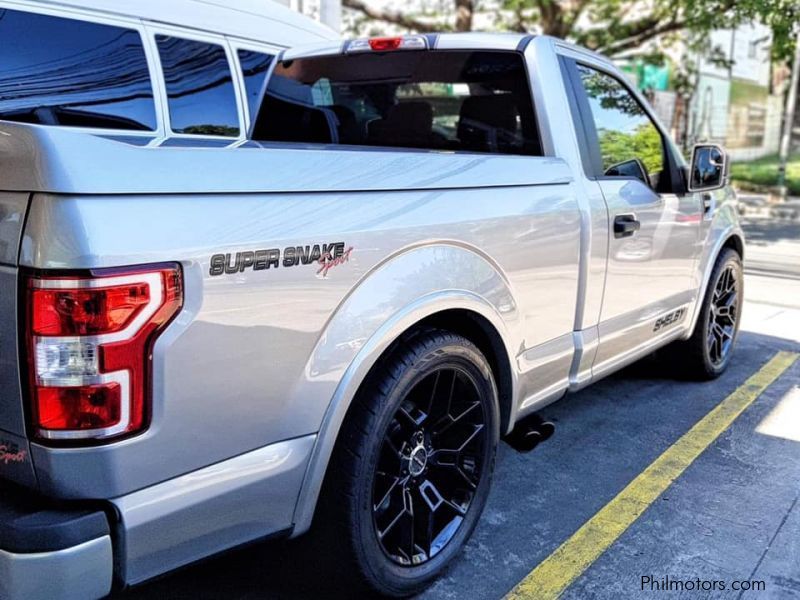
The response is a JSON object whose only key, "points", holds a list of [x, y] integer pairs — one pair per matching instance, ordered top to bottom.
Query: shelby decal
{"points": [[325, 255], [669, 319], [10, 453]]}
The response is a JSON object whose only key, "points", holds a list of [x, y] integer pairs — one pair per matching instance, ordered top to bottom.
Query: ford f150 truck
{"points": [[423, 242]]}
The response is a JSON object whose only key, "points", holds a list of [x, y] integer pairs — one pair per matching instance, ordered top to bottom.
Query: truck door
{"points": [[653, 232]]}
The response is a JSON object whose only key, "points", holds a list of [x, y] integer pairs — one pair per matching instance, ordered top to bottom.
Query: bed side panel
{"points": [[15, 462]]}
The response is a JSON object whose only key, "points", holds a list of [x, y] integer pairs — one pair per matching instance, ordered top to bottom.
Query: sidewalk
{"points": [[772, 247], [772, 279]]}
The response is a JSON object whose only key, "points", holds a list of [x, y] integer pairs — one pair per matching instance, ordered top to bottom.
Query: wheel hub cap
{"points": [[418, 461]]}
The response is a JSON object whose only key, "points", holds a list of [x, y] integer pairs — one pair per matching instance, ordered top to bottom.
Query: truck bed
{"points": [[36, 158], [97, 202]]}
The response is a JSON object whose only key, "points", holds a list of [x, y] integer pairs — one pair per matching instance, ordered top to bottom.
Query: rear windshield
{"points": [[438, 100]]}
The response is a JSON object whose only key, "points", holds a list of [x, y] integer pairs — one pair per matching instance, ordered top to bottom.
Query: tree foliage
{"points": [[609, 26], [644, 143], [616, 146]]}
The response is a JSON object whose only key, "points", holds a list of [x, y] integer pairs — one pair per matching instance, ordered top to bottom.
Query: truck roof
{"points": [[262, 20], [474, 40], [436, 41]]}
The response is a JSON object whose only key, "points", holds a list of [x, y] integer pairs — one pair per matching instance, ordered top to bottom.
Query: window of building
{"points": [[57, 71], [199, 85]]}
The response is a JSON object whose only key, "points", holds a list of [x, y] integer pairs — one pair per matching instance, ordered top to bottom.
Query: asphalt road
{"points": [[732, 515]]}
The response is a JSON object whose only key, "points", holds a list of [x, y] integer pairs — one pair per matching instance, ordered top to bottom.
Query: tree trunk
{"points": [[464, 11], [551, 18]]}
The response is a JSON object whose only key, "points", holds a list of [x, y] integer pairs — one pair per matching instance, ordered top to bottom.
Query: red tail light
{"points": [[385, 44], [87, 311], [90, 341], [79, 408]]}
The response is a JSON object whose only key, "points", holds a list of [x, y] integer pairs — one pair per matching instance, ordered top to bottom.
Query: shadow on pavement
{"points": [[767, 231]]}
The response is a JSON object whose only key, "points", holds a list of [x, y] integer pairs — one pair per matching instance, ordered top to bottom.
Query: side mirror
{"points": [[629, 168], [709, 168]]}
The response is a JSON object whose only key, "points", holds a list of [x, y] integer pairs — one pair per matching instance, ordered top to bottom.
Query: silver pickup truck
{"points": [[422, 242]]}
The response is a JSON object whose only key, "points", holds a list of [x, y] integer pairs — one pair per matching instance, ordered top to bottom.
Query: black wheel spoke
{"points": [[441, 396], [409, 416], [442, 426], [461, 441], [392, 449], [444, 458], [386, 499], [396, 518], [424, 522], [407, 533]]}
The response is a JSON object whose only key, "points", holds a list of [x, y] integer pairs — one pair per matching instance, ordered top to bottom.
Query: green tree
{"points": [[608, 26], [644, 144]]}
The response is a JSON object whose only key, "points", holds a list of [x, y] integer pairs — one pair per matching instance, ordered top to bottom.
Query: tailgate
{"points": [[15, 463]]}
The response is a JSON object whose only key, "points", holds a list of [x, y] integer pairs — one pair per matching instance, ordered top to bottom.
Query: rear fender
{"points": [[390, 300]]}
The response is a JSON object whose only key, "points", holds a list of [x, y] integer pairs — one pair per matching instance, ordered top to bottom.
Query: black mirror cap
{"points": [[629, 168], [709, 168]]}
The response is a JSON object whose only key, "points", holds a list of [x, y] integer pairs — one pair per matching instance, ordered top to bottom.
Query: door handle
{"points": [[625, 226]]}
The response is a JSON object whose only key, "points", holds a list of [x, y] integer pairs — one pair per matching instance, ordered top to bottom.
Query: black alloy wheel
{"points": [[723, 315], [707, 353], [430, 465], [412, 467]]}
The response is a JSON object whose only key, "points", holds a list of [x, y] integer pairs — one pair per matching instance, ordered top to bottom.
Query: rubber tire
{"points": [[691, 356], [345, 509]]}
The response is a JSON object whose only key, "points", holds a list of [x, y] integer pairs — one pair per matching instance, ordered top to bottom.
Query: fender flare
{"points": [[730, 234], [365, 359]]}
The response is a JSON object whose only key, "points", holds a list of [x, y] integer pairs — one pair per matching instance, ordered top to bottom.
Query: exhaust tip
{"points": [[529, 433]]}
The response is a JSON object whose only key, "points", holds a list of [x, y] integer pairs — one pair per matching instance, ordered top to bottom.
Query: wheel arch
{"points": [[732, 238], [734, 241], [459, 311], [478, 330]]}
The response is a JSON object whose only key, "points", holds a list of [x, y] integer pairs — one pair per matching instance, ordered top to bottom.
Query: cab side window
{"points": [[199, 87], [625, 132]]}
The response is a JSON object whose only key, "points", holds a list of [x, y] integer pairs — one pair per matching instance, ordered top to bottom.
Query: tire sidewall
{"points": [[403, 580]]}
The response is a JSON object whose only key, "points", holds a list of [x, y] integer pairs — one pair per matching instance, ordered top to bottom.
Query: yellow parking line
{"points": [[552, 576]]}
